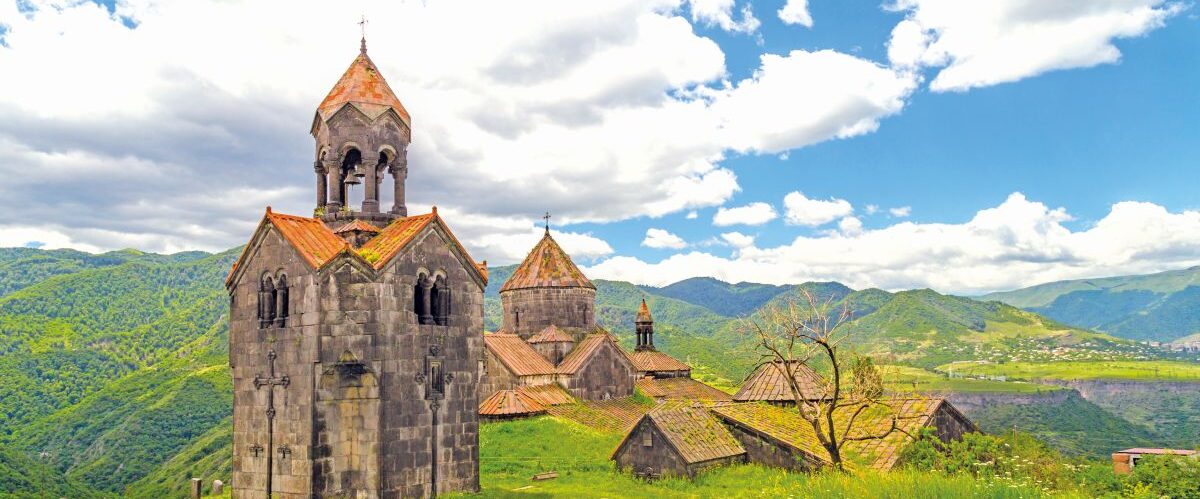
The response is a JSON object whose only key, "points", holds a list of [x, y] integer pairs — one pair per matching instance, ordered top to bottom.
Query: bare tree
{"points": [[791, 335]]}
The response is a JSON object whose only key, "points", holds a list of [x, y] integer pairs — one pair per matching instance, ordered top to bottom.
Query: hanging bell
{"points": [[354, 177]]}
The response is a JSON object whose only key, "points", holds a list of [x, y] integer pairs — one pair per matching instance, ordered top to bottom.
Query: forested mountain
{"points": [[1163, 306], [114, 371]]}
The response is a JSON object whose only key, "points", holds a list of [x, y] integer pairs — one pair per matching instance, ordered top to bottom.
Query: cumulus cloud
{"points": [[796, 12], [720, 13], [978, 44], [807, 97], [600, 112], [800, 210], [900, 211], [752, 214], [692, 215], [850, 226], [659, 238], [737, 239], [1018, 243]]}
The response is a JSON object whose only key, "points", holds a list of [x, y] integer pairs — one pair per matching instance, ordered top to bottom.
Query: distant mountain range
{"points": [[1163, 306], [113, 367]]}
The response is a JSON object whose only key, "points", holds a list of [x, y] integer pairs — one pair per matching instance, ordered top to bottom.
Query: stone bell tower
{"points": [[362, 133], [356, 335]]}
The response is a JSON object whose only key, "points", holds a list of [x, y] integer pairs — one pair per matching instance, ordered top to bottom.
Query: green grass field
{"points": [[1159, 370], [906, 379], [512, 452]]}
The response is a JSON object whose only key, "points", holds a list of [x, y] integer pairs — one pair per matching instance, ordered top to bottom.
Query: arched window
{"points": [[350, 165], [421, 299], [440, 299], [281, 300], [266, 302]]}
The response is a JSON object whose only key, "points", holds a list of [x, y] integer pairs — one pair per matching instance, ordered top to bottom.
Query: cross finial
{"points": [[362, 25], [546, 217]]}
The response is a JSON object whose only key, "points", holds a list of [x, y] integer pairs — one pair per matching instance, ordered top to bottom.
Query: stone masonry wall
{"points": [[528, 311], [608, 374], [657, 458]]}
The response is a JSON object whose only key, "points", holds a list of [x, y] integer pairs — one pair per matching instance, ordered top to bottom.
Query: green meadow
{"points": [[1158, 370]]}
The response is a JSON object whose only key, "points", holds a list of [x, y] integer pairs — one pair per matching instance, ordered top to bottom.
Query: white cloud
{"points": [[796, 12], [720, 13], [978, 44], [808, 97], [597, 111], [871, 209], [800, 210], [900, 211], [752, 214], [692, 215], [850, 226], [659, 238], [737, 239], [1018, 243]]}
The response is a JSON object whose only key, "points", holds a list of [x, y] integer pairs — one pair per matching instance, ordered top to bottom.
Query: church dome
{"points": [[547, 266]]}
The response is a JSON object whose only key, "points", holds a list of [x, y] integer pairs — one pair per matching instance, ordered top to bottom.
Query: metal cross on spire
{"points": [[362, 26], [546, 217]]}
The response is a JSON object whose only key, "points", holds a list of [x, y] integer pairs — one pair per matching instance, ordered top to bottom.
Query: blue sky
{"points": [[1083, 139], [966, 147]]}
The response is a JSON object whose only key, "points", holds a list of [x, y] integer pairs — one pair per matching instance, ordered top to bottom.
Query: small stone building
{"points": [[355, 335], [552, 343], [511, 363], [597, 369], [768, 383], [510, 404], [678, 441], [1125, 460]]}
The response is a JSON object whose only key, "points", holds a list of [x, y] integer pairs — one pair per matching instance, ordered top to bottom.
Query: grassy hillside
{"points": [[21, 267], [731, 300], [1163, 306], [1068, 371], [22, 477]]}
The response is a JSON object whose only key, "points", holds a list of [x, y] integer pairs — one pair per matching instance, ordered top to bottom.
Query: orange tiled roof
{"points": [[363, 86], [358, 225], [311, 238], [393, 238], [317, 244], [547, 266], [643, 313], [551, 333], [516, 355], [579, 355], [653, 360], [769, 383], [680, 388], [549, 394], [510, 403], [693, 433]]}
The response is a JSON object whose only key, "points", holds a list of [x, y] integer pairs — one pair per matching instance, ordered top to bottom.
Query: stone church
{"points": [[356, 335], [549, 339]]}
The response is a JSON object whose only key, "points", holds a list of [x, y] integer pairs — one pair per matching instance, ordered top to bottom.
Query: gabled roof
{"points": [[363, 86], [357, 225], [393, 238], [315, 242], [318, 245], [547, 266], [643, 313], [551, 334], [584, 351], [516, 355], [653, 360], [769, 383], [680, 388], [549, 394], [510, 403], [785, 426], [694, 434]]}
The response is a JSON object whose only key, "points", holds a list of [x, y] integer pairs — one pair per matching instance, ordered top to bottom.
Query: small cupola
{"points": [[357, 233], [644, 327]]}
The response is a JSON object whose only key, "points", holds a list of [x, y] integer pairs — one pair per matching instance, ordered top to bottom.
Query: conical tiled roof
{"points": [[362, 85], [547, 266], [643, 314], [549, 335]]}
